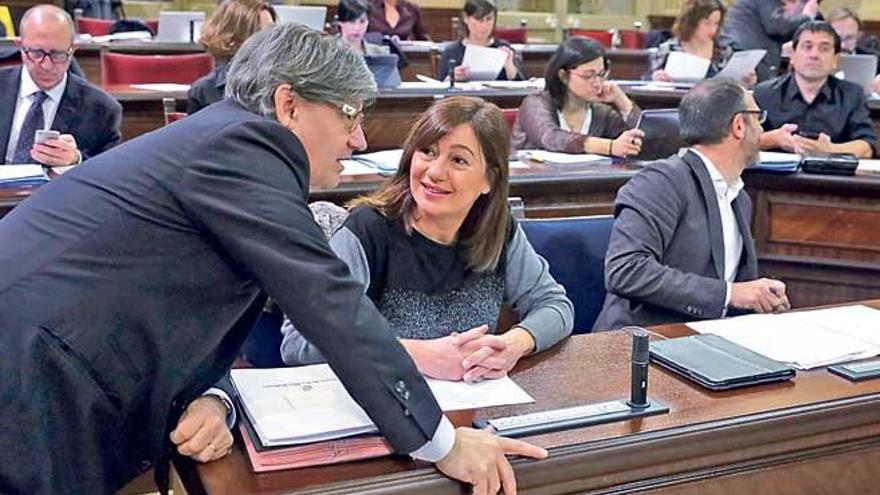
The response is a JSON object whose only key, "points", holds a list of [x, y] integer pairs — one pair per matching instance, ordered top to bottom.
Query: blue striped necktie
{"points": [[33, 121]]}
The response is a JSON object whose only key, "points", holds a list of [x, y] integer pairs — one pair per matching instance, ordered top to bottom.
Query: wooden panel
{"points": [[815, 223]]}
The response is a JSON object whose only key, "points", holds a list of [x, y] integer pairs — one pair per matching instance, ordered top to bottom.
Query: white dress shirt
{"points": [[26, 90], [733, 242]]}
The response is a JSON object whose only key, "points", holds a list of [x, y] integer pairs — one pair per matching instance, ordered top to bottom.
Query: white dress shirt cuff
{"points": [[727, 299], [219, 393], [439, 446]]}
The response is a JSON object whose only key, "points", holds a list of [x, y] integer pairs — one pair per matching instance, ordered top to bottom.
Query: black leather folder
{"points": [[717, 363]]}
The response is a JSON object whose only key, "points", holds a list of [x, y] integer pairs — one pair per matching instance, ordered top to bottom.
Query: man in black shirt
{"points": [[809, 111]]}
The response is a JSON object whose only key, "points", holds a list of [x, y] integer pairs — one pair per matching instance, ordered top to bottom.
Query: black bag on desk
{"points": [[830, 163]]}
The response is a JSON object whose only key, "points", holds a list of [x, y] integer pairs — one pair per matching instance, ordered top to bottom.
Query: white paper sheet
{"points": [[483, 62], [741, 63], [682, 66], [164, 87], [542, 156], [776, 157], [868, 166], [10, 173], [806, 339], [305, 404]]}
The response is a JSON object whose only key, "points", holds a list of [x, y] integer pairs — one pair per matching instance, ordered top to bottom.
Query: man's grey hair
{"points": [[47, 10], [318, 67], [706, 112]]}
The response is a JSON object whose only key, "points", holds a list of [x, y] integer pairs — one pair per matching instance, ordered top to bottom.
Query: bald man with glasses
{"points": [[44, 95]]}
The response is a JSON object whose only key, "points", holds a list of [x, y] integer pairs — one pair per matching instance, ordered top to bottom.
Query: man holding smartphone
{"points": [[811, 111], [49, 116]]}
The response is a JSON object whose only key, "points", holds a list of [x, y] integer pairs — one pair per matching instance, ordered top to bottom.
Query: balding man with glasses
{"points": [[43, 95], [681, 248]]}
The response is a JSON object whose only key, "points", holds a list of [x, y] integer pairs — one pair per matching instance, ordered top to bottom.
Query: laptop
{"points": [[312, 17], [181, 27], [384, 69], [858, 69], [662, 138], [717, 363]]}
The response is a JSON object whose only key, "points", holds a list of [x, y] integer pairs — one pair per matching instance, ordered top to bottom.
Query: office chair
{"points": [[512, 35], [604, 37], [122, 68], [575, 247]]}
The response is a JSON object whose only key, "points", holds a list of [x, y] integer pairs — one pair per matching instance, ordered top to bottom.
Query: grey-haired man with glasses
{"points": [[42, 95], [682, 248], [129, 284]]}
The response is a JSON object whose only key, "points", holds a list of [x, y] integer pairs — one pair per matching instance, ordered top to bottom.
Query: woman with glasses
{"points": [[479, 18], [229, 27], [696, 32], [580, 111], [439, 253]]}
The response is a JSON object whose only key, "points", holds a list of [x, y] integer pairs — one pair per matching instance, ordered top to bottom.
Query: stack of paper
{"points": [[541, 156], [778, 162], [22, 175], [805, 339], [297, 405]]}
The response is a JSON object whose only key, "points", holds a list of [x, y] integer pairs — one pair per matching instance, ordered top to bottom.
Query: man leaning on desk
{"points": [[43, 95], [809, 110], [681, 248], [129, 283]]}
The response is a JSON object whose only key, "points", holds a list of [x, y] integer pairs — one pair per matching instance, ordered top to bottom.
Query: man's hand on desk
{"points": [[781, 138], [61, 152], [763, 295], [201, 432], [478, 458]]}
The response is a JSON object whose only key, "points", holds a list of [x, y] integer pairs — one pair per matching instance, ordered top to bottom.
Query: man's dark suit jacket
{"points": [[762, 24], [88, 113], [665, 260], [130, 282]]}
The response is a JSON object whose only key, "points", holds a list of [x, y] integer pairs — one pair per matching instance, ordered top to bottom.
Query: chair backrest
{"points": [[94, 27], [513, 35], [604, 37], [632, 38], [122, 68], [169, 108], [510, 116], [662, 137], [575, 249]]}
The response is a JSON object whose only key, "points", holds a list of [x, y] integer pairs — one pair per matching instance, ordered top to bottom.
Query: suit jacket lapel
{"points": [[8, 99], [68, 115], [713, 213], [741, 213]]}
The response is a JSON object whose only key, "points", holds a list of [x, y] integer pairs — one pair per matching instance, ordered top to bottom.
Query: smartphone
{"points": [[808, 134], [41, 136]]}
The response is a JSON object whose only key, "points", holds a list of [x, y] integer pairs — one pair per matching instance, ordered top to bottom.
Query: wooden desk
{"points": [[624, 63], [816, 434]]}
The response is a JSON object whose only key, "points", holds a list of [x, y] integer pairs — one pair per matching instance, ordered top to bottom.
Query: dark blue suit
{"points": [[88, 113], [129, 283]]}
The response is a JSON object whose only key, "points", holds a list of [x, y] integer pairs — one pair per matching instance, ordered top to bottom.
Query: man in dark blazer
{"points": [[765, 24], [88, 118], [681, 248], [129, 283]]}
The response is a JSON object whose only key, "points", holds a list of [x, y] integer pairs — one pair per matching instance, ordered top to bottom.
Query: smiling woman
{"points": [[457, 252]]}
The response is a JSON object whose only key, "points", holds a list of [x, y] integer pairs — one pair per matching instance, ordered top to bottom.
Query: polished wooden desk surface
{"points": [[816, 434]]}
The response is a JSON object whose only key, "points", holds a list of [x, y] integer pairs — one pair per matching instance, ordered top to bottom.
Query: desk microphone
{"points": [[451, 70], [639, 386]]}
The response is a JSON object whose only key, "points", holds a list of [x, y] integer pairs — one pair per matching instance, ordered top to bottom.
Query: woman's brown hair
{"points": [[692, 12], [231, 25], [484, 231]]}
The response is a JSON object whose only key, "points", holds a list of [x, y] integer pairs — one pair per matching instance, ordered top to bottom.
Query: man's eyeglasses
{"points": [[37, 55], [592, 76], [761, 114], [353, 115]]}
